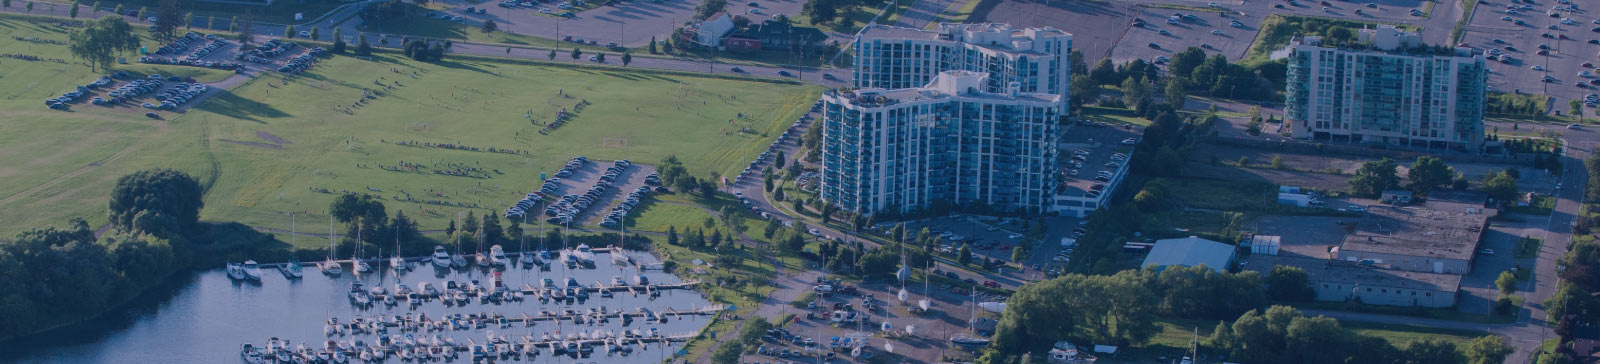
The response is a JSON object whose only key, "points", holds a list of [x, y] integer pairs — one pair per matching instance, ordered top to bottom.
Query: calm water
{"points": [[205, 318]]}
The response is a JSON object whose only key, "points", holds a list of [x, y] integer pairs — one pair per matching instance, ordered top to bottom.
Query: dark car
{"points": [[1155, 46], [737, 69], [785, 74], [829, 76], [152, 115], [952, 275]]}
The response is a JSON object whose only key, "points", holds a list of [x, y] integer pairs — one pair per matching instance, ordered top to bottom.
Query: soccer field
{"points": [[272, 145]]}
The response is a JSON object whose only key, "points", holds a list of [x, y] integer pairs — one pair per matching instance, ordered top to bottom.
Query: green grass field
{"points": [[261, 147]]}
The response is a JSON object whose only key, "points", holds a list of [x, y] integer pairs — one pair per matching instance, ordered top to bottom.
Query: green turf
{"points": [[53, 155], [654, 215]]}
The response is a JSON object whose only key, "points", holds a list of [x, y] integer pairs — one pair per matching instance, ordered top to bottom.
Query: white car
{"points": [[1214, 5], [1538, 68], [1014, 236]]}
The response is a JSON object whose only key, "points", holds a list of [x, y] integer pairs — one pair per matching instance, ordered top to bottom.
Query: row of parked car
{"points": [[182, 44], [265, 52], [185, 62], [302, 62], [175, 96], [567, 208], [519, 209], [622, 209]]}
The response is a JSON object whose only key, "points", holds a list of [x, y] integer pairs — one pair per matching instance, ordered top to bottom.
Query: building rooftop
{"points": [[992, 36], [948, 84], [1101, 142], [1459, 201], [1417, 232], [1189, 252], [1333, 271]]}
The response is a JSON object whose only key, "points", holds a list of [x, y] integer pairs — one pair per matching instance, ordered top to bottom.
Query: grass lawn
{"points": [[958, 12], [1276, 31], [1113, 116], [304, 138], [1219, 194], [1541, 205], [654, 215], [1183, 223], [1528, 247], [1434, 313], [1176, 334]]}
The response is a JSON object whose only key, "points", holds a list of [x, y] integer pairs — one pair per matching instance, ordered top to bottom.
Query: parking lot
{"points": [[630, 23], [1569, 47], [582, 190], [620, 198], [949, 309]]}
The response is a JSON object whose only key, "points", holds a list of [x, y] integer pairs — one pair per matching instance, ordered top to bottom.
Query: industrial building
{"points": [[1415, 239], [1189, 252], [1339, 281]]}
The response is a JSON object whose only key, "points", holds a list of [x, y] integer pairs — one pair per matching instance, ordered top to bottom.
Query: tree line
{"points": [[1126, 309]]}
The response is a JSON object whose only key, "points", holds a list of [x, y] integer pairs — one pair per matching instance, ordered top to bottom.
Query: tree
{"points": [[7, 4], [709, 7], [30, 9], [821, 11], [73, 12], [139, 15], [188, 20], [233, 23], [489, 26], [247, 29], [288, 32], [316, 34], [101, 40], [653, 44], [338, 46], [363, 48], [576, 53], [552, 54], [600, 57], [627, 58], [1184, 62], [1104, 72], [1083, 90], [1135, 91], [1175, 94], [1576, 108], [1277, 162], [1428, 173], [1374, 177], [1502, 187], [155, 201], [364, 213], [492, 233], [672, 235], [1018, 254], [964, 256], [1507, 282], [1288, 283], [1116, 308], [753, 330], [1432, 350], [1487, 350], [728, 353]]}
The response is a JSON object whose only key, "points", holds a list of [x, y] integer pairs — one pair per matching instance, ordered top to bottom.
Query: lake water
{"points": [[206, 317]]}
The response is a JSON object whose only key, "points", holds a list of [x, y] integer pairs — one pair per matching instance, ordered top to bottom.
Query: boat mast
{"points": [[332, 248]]}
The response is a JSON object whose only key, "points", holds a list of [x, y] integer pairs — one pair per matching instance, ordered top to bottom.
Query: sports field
{"points": [[265, 146]]}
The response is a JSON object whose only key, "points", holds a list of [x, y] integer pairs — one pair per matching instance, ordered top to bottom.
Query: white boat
{"points": [[498, 256], [441, 258], [481, 259], [397, 263], [362, 266], [331, 267], [292, 270], [236, 271], [252, 271], [251, 354]]}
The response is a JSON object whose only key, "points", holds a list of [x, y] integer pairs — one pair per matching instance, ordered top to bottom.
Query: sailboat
{"points": [[526, 257], [481, 258], [458, 261], [397, 263], [360, 264], [331, 267], [292, 269], [970, 340]]}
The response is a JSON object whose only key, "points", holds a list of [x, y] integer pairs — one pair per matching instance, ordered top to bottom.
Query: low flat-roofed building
{"points": [[1467, 202], [1415, 239], [1190, 252], [1344, 281]]}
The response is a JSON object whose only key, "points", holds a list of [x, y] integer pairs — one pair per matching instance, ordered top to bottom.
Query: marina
{"points": [[593, 307]]}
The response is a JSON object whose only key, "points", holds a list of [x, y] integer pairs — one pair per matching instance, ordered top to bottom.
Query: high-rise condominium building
{"points": [[1038, 59], [1413, 96], [952, 141]]}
